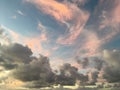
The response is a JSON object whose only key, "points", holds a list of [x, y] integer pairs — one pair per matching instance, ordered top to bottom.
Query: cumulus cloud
{"points": [[13, 55], [18, 60], [83, 63], [98, 63], [37, 70], [112, 71], [69, 74], [93, 75]]}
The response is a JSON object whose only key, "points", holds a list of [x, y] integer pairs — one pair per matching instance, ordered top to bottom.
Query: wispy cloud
{"points": [[59, 11], [20, 12], [64, 12], [109, 17], [75, 29], [7, 35], [90, 44]]}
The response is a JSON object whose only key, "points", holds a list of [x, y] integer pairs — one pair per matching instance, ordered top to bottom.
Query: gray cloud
{"points": [[15, 53], [84, 62], [98, 63], [23, 66], [112, 70], [38, 72], [69, 74], [93, 75]]}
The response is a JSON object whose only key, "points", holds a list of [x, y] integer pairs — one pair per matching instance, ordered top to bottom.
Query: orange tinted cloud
{"points": [[59, 11], [75, 29]]}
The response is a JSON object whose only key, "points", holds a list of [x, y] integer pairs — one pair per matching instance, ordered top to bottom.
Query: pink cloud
{"points": [[59, 11], [63, 12], [115, 13], [111, 16], [75, 29], [34, 43], [92, 44], [55, 48]]}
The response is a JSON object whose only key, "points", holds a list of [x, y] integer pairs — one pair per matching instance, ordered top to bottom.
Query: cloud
{"points": [[59, 11], [20, 12], [64, 12], [111, 12], [107, 19], [41, 27], [102, 27], [75, 29], [8, 36], [4, 37], [89, 44], [92, 44], [16, 54], [11, 57], [112, 57], [20, 63], [83, 63], [86, 63], [98, 63], [40, 68], [112, 71], [69, 74], [93, 75], [12, 83]]}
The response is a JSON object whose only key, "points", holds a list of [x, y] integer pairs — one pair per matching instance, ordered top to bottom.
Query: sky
{"points": [[63, 30]]}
